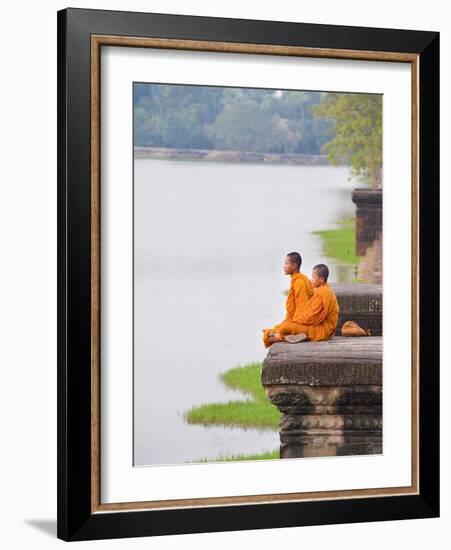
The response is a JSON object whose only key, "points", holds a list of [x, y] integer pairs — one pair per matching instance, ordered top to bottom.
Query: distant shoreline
{"points": [[230, 156]]}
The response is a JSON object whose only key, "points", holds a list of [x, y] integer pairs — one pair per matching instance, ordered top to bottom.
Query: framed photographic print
{"points": [[248, 282]]}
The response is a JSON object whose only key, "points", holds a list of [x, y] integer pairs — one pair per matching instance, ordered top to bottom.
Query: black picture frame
{"points": [[76, 518]]}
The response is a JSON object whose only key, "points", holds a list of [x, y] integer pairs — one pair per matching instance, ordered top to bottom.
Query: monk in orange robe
{"points": [[301, 290], [320, 318]]}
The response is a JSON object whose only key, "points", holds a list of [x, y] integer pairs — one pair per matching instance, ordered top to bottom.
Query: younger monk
{"points": [[301, 290], [320, 319]]}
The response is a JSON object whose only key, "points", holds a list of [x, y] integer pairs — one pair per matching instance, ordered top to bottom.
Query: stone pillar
{"points": [[368, 217], [330, 394]]}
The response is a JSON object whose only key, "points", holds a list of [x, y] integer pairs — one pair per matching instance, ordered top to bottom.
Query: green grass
{"points": [[339, 243], [247, 379], [254, 412], [246, 414], [270, 455]]}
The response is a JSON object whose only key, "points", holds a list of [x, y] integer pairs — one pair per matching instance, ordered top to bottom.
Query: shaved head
{"points": [[295, 258], [322, 271]]}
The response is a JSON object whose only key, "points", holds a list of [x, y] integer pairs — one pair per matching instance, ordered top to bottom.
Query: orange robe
{"points": [[301, 290], [320, 319], [351, 328]]}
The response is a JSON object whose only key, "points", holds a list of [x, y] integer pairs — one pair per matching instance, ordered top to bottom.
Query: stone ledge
{"points": [[368, 197], [361, 303], [340, 361], [329, 394]]}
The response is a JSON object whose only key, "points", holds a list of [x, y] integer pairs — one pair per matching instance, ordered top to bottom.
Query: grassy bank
{"points": [[339, 243], [254, 412], [271, 455]]}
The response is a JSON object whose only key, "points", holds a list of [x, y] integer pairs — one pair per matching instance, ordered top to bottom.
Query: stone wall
{"points": [[368, 217], [361, 303], [330, 396]]}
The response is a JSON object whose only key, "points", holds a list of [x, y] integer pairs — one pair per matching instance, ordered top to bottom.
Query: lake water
{"points": [[209, 245]]}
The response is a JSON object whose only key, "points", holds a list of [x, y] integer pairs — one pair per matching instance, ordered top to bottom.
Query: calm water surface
{"points": [[209, 243]]}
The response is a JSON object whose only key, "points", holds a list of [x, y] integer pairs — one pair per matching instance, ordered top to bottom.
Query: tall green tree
{"points": [[356, 131]]}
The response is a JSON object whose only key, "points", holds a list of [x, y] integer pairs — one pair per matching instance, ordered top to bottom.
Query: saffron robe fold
{"points": [[301, 290], [320, 319]]}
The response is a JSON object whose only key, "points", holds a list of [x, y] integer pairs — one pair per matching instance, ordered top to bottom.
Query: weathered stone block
{"points": [[368, 217], [361, 303], [330, 394]]}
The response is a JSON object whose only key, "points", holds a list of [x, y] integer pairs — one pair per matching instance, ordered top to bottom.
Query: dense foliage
{"points": [[243, 119], [357, 132]]}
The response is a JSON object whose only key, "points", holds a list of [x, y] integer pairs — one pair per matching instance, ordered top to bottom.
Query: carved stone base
{"points": [[330, 394], [330, 435], [340, 443]]}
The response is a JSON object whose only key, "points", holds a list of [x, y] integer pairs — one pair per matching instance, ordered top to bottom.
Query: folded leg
{"points": [[286, 327]]}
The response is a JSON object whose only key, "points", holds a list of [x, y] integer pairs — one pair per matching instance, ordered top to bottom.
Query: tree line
{"points": [[241, 119], [342, 125]]}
